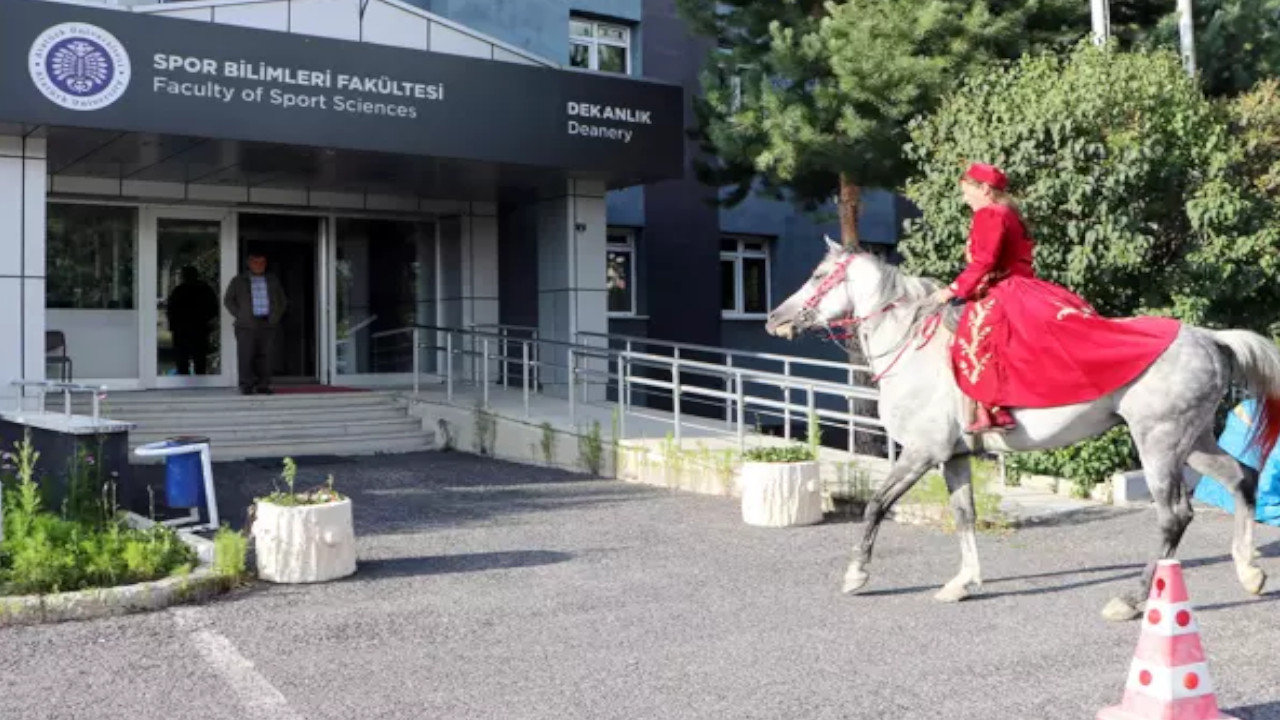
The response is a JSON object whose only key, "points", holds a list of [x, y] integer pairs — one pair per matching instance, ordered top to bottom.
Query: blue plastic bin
{"points": [[1234, 440], [184, 475]]}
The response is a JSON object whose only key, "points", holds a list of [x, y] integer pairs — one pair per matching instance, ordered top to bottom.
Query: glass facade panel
{"points": [[385, 284], [91, 315]]}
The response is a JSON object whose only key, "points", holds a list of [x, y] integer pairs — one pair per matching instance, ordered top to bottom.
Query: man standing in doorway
{"points": [[257, 302]]}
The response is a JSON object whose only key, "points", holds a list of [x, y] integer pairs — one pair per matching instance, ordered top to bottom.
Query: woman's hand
{"points": [[942, 296]]}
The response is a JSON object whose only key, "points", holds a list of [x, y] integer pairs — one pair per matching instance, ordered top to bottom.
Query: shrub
{"points": [[1083, 465]]}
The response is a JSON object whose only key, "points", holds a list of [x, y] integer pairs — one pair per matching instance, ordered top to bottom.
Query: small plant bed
{"points": [[780, 454], [782, 486], [303, 536], [86, 544]]}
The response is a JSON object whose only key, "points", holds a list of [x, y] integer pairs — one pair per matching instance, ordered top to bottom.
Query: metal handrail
{"points": [[728, 352], [586, 365], [66, 388]]}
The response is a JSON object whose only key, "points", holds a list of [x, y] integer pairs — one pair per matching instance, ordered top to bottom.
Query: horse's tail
{"points": [[1256, 362]]}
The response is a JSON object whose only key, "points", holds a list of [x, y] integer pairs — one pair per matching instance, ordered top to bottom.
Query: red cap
{"points": [[988, 175]]}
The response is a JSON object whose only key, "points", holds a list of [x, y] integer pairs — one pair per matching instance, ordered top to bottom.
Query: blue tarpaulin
{"points": [[1234, 440]]}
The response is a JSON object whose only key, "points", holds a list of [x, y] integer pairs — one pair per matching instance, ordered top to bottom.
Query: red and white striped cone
{"points": [[1169, 678]]}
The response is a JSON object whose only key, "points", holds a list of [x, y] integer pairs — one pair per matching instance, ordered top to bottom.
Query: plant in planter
{"points": [[782, 486], [303, 537]]}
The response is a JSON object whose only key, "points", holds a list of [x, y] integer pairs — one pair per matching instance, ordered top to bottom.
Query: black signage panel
{"points": [[75, 66]]}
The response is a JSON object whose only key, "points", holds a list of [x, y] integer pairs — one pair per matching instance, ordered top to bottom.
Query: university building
{"points": [[443, 163]]}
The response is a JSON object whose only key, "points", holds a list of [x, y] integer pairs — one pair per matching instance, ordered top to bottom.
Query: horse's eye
{"points": [[819, 275]]}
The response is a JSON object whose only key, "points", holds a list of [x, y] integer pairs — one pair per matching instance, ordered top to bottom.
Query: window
{"points": [[599, 46], [90, 257], [620, 271], [744, 277]]}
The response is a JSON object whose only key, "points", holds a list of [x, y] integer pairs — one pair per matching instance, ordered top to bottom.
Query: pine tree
{"points": [[808, 100]]}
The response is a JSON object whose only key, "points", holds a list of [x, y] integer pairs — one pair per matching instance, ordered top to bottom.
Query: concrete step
{"points": [[251, 429], [299, 447]]}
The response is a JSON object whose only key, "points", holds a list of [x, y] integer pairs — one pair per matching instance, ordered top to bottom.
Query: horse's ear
{"points": [[832, 245]]}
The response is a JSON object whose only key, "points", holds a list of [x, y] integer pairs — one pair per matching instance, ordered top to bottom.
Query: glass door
{"points": [[188, 258]]}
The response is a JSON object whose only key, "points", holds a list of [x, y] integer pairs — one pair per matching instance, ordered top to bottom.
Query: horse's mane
{"points": [[909, 290]]}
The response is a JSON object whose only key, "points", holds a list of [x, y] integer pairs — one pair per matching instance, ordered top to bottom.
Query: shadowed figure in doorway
{"points": [[257, 302], [191, 308]]}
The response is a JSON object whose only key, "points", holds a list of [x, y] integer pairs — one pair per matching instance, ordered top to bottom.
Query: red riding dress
{"points": [[1023, 342]]}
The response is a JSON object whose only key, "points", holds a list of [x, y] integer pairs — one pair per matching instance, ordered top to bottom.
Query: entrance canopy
{"points": [[141, 97]]}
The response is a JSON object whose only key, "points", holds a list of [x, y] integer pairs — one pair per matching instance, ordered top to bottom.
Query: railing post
{"points": [[503, 359], [416, 361], [448, 366], [484, 370], [624, 372], [475, 374], [524, 374], [728, 388], [675, 393], [786, 399], [630, 400], [66, 402], [96, 405], [573, 405], [852, 410], [812, 411], [742, 413]]}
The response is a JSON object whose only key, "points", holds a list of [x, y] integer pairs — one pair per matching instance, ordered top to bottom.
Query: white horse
{"points": [[1169, 410]]}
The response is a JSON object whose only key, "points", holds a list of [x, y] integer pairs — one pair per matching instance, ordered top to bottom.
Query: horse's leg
{"points": [[1209, 459], [1162, 464], [905, 472], [958, 473]]}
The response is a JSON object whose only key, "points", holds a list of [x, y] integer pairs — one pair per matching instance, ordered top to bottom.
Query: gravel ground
{"points": [[490, 590]]}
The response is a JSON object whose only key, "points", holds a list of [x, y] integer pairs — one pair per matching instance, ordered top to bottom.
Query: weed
{"points": [[486, 431], [548, 443], [591, 449], [230, 549]]}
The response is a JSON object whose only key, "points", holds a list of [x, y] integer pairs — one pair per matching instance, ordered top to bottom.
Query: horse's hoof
{"points": [[855, 580], [1253, 580], [952, 593], [1120, 610]]}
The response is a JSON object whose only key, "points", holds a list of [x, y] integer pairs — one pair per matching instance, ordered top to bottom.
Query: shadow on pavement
{"points": [[410, 493], [463, 563], [1267, 711]]}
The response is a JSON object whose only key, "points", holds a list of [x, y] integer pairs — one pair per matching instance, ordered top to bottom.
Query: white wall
{"points": [[22, 266], [572, 298], [102, 344]]}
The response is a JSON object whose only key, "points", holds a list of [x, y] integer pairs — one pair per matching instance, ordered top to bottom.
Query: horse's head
{"points": [[822, 299]]}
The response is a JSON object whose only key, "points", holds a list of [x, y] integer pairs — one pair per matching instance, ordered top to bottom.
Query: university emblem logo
{"points": [[79, 66]]}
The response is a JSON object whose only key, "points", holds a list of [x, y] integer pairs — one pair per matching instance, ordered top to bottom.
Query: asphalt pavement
{"points": [[492, 590]]}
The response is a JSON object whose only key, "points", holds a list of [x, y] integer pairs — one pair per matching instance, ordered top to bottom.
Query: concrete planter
{"points": [[781, 494], [304, 543]]}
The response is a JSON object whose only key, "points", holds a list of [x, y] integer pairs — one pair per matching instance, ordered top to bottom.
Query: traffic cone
{"points": [[1169, 677]]}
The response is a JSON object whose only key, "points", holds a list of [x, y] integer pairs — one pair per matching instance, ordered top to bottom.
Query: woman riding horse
{"points": [[1024, 342]]}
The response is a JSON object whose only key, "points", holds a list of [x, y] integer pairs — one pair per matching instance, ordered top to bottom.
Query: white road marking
{"points": [[258, 696]]}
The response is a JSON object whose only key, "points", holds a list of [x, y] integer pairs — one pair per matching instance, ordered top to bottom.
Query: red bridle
{"points": [[836, 277], [830, 282]]}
